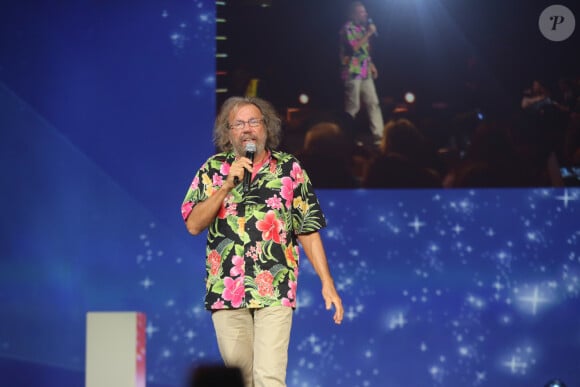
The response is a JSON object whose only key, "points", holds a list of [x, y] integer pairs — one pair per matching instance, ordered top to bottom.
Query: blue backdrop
{"points": [[106, 113]]}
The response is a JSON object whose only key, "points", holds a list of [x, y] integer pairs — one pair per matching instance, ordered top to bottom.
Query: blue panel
{"points": [[106, 113]]}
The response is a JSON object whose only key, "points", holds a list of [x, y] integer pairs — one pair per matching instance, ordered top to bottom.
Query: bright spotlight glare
{"points": [[409, 97], [303, 98], [555, 383]]}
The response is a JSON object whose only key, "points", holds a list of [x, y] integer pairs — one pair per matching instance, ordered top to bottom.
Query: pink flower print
{"points": [[364, 69], [273, 164], [225, 169], [297, 174], [217, 180], [195, 183], [287, 191], [274, 202], [226, 207], [186, 209], [232, 209], [270, 227], [283, 237], [252, 253], [239, 267], [264, 282], [234, 290], [292, 292], [291, 300], [288, 303], [219, 304]]}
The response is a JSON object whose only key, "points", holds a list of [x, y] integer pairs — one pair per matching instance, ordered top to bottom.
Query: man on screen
{"points": [[358, 70]]}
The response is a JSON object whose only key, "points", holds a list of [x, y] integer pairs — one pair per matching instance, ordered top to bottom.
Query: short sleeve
{"points": [[197, 191], [307, 214]]}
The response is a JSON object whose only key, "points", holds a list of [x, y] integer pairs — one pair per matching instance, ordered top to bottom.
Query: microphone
{"points": [[370, 21], [250, 151]]}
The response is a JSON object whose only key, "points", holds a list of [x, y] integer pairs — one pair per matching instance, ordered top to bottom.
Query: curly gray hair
{"points": [[272, 122]]}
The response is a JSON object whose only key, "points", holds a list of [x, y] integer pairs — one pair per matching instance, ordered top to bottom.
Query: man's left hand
{"points": [[374, 72]]}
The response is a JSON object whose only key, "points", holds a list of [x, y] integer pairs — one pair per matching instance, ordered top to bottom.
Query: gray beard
{"points": [[241, 151]]}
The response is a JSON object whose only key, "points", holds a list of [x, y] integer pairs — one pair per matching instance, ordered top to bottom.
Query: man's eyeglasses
{"points": [[252, 122]]}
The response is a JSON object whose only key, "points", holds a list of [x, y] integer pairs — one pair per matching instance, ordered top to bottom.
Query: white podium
{"points": [[115, 349]]}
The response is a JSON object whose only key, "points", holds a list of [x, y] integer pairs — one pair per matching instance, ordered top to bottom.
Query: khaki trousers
{"points": [[357, 89], [256, 341]]}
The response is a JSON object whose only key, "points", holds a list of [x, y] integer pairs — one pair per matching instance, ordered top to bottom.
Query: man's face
{"points": [[360, 15], [239, 137]]}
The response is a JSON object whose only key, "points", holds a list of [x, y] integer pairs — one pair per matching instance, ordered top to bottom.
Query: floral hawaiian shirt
{"points": [[355, 64], [252, 251]]}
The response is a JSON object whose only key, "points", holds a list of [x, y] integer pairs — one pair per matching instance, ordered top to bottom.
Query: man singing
{"points": [[358, 70], [252, 241]]}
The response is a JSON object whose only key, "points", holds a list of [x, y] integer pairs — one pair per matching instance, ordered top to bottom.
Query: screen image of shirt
{"points": [[355, 64]]}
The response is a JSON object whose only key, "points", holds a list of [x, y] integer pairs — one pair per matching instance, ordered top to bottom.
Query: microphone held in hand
{"points": [[371, 23], [250, 152]]}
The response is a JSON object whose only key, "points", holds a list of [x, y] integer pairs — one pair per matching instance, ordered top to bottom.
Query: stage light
{"points": [[409, 97], [303, 99], [555, 383]]}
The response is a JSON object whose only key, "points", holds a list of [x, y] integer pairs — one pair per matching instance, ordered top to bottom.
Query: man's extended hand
{"points": [[374, 72], [331, 297]]}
